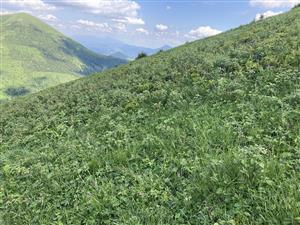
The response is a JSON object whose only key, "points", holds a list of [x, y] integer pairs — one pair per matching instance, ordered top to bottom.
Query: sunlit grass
{"points": [[207, 133]]}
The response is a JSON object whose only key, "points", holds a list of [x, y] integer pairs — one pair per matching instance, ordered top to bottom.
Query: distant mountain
{"points": [[109, 46], [120, 55], [37, 56]]}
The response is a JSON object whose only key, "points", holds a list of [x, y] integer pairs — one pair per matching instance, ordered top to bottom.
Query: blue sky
{"points": [[150, 23]]}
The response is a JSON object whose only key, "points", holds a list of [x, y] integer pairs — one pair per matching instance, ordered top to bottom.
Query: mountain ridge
{"points": [[109, 46], [35, 53]]}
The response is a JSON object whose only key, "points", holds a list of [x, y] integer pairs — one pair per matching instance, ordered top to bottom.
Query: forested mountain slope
{"points": [[36, 56], [201, 134]]}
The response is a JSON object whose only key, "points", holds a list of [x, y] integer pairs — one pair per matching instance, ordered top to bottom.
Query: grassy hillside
{"points": [[36, 56], [205, 133]]}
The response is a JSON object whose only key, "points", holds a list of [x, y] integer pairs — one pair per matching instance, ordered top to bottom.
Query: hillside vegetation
{"points": [[35, 56], [205, 133]]}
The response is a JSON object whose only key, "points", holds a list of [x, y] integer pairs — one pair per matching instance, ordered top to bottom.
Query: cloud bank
{"points": [[161, 27], [203, 32]]}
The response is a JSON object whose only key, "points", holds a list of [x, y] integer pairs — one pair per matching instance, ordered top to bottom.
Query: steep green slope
{"points": [[35, 56], [205, 133]]}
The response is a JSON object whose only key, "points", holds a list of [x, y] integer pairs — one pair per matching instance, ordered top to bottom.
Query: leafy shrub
{"points": [[297, 6], [261, 17], [141, 55], [226, 64]]}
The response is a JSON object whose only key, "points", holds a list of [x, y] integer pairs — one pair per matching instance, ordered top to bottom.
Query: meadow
{"points": [[206, 133]]}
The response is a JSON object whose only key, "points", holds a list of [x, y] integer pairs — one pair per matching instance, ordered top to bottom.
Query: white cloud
{"points": [[274, 3], [37, 5], [168, 7], [126, 8], [120, 11], [265, 15], [48, 17], [130, 20], [61, 25], [90, 25], [75, 27], [120, 27], [161, 27], [142, 30], [203, 32]]}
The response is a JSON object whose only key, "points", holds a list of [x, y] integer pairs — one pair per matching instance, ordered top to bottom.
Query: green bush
{"points": [[141, 55]]}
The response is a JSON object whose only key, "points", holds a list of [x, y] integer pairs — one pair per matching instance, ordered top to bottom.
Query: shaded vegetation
{"points": [[297, 6], [141, 55], [16, 91], [205, 133]]}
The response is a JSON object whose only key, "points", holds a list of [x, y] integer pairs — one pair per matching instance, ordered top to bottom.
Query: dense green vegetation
{"points": [[141, 55], [35, 56], [205, 133]]}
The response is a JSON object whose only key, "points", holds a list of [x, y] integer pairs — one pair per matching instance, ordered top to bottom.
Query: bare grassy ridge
{"points": [[205, 133]]}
